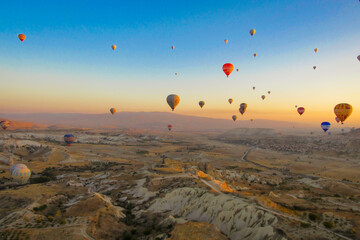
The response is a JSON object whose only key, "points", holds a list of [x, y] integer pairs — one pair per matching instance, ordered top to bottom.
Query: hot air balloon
{"points": [[252, 32], [21, 37], [226, 41], [113, 47], [172, 47], [316, 50], [255, 55], [358, 57], [314, 67], [228, 68], [237, 69], [175, 74], [253, 88], [269, 92], [263, 97], [173, 100], [230, 100], [201, 104], [295, 106], [242, 108], [301, 110], [113, 111], [343, 111], [234, 117], [337, 119], [251, 120], [5, 124], [325, 126], [169, 127], [69, 139], [19, 165], [20, 174]]}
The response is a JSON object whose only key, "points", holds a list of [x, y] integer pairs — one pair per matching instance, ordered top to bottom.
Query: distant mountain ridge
{"points": [[145, 120]]}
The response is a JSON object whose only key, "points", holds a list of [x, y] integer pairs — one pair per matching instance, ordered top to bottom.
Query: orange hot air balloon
{"points": [[22, 37], [226, 41], [113, 47], [172, 47], [316, 50], [255, 55], [228, 68], [173, 100], [230, 100], [201, 104], [301, 110], [113, 111], [343, 111], [234, 117]]}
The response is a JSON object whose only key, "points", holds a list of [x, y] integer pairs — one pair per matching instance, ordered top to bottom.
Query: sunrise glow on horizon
{"points": [[66, 63]]}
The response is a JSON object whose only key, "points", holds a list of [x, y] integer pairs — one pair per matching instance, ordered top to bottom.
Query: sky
{"points": [[66, 63]]}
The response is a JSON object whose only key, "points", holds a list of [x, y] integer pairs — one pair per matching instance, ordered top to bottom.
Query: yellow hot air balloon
{"points": [[252, 32], [226, 41], [113, 47], [172, 47], [316, 50], [173, 100], [230, 100], [201, 104], [113, 111], [343, 111], [234, 117]]}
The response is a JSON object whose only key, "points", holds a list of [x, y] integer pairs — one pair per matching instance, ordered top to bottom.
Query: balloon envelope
{"points": [[252, 32], [21, 37], [226, 41], [113, 47], [172, 47], [316, 50], [255, 54], [358, 57], [314, 67], [228, 68], [263, 97], [173, 100], [230, 100], [201, 104], [301, 110], [113, 111], [343, 111], [234, 117], [337, 119], [5, 124], [325, 126], [169, 127], [69, 139], [19, 165], [21, 174]]}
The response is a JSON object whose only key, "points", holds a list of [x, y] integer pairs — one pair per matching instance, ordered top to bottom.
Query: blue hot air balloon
{"points": [[325, 126], [69, 139]]}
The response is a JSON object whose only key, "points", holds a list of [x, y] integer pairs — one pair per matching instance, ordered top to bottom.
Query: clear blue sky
{"points": [[66, 63]]}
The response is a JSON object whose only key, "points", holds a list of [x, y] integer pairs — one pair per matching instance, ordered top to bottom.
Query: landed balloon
{"points": [[252, 32], [21, 37], [226, 41], [113, 47], [172, 47], [316, 50], [255, 55], [314, 67], [228, 68], [263, 97], [173, 100], [230, 100], [201, 104], [301, 110], [113, 111], [343, 111], [234, 117], [337, 119], [5, 124], [325, 126], [169, 127], [69, 139], [20, 174]]}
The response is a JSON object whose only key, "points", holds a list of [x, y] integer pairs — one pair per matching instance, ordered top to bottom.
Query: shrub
{"points": [[313, 217], [328, 224], [305, 225]]}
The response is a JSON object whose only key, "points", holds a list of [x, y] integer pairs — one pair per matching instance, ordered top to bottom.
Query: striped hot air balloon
{"points": [[69, 139], [20, 173]]}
